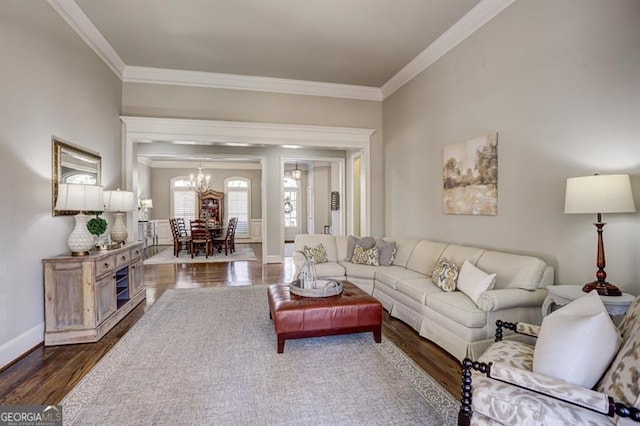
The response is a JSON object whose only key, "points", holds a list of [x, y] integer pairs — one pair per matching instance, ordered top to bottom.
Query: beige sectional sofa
{"points": [[450, 319]]}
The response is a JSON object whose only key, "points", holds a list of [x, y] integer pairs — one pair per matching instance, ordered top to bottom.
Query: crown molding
{"points": [[482, 13], [80, 23], [133, 74], [206, 165]]}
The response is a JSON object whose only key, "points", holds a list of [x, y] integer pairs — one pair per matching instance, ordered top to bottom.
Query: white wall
{"points": [[51, 83], [560, 83], [153, 100], [321, 192]]}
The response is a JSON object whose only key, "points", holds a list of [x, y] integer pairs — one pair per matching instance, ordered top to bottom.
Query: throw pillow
{"points": [[364, 242], [387, 251], [318, 254], [366, 257], [445, 274], [473, 281], [577, 342]]}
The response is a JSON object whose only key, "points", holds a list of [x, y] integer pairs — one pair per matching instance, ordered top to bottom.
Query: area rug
{"points": [[166, 257], [208, 356]]}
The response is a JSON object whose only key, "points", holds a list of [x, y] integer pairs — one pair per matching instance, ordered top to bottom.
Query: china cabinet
{"points": [[210, 206]]}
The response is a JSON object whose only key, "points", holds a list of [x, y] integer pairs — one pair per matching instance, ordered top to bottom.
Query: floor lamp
{"points": [[599, 194], [80, 198], [118, 202]]}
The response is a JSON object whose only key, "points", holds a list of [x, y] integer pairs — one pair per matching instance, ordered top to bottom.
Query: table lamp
{"points": [[599, 194], [81, 198], [118, 202], [144, 207]]}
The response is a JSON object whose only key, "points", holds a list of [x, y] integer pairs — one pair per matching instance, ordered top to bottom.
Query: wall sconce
{"points": [[335, 201]]}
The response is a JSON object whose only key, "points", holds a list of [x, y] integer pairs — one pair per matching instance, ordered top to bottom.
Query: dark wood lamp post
{"points": [[599, 194]]}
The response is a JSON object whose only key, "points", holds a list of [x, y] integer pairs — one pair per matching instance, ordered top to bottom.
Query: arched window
{"points": [[238, 196], [183, 198]]}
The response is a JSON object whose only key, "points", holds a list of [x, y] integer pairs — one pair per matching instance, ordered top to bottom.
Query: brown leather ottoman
{"points": [[295, 317]]}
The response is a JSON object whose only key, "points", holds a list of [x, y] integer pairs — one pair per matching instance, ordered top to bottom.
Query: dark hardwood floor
{"points": [[46, 374]]}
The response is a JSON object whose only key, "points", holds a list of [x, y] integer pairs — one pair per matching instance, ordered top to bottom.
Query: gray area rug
{"points": [[166, 257], [208, 357]]}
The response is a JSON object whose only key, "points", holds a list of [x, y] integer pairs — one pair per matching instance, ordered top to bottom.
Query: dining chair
{"points": [[200, 237], [180, 240]]}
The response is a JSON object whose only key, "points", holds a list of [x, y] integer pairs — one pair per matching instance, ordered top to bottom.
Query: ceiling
{"points": [[353, 42], [358, 49]]}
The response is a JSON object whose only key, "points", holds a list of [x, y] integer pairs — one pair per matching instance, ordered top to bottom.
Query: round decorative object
{"points": [[322, 288]]}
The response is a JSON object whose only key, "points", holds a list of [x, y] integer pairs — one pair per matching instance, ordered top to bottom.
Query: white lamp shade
{"points": [[599, 194], [79, 197], [118, 201]]}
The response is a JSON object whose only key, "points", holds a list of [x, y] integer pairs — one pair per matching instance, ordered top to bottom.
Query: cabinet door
{"points": [[135, 278], [106, 298]]}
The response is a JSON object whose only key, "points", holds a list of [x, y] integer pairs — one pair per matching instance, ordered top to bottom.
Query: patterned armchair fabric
{"points": [[500, 388]]}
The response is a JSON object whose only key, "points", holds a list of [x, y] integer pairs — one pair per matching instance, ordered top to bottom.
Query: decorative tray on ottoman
{"points": [[321, 288]]}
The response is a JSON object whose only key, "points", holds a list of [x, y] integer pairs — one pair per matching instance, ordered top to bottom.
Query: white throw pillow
{"points": [[473, 281], [577, 342]]}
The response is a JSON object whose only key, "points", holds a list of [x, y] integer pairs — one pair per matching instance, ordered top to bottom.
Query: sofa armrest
{"points": [[495, 300], [539, 384], [552, 387]]}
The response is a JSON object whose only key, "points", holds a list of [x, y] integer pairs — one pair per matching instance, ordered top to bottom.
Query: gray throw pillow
{"points": [[365, 242], [386, 251]]}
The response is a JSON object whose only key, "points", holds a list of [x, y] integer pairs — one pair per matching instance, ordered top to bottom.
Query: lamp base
{"points": [[80, 253], [603, 288]]}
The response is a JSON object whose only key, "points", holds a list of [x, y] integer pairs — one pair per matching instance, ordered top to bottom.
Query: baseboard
{"points": [[273, 259], [17, 346]]}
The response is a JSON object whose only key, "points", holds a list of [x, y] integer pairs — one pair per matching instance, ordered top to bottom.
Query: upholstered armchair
{"points": [[502, 388]]}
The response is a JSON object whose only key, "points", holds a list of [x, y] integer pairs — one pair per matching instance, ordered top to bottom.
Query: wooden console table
{"points": [[87, 296]]}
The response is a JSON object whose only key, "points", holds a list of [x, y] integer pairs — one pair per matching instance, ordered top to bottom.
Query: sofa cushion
{"points": [[312, 240], [364, 242], [341, 246], [404, 248], [387, 251], [317, 254], [458, 254], [363, 256], [424, 256], [329, 269], [354, 270], [513, 270], [391, 274], [445, 275], [473, 281], [417, 288], [458, 307], [577, 342]]}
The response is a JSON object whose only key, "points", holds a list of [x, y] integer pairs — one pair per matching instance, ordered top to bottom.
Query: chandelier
{"points": [[200, 182]]}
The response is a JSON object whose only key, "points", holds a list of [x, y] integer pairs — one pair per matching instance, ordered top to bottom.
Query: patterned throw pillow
{"points": [[365, 243], [317, 254], [366, 257], [445, 275]]}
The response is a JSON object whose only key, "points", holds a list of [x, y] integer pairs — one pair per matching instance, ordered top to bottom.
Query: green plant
{"points": [[97, 225]]}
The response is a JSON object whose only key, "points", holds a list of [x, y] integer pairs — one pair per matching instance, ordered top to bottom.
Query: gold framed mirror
{"points": [[72, 165]]}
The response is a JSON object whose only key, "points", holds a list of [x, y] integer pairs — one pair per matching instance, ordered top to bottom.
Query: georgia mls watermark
{"points": [[30, 415]]}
